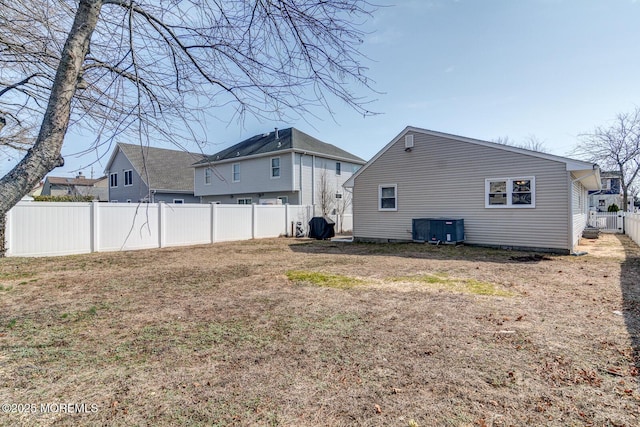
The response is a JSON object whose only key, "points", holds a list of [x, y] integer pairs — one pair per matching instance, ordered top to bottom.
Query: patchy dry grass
{"points": [[298, 332]]}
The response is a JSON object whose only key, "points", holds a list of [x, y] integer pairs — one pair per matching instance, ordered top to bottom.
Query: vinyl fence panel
{"points": [[269, 221], [234, 222], [187, 224], [128, 226], [48, 229]]}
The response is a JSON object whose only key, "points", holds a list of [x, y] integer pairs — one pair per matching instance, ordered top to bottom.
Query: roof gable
{"points": [[289, 139], [160, 168], [580, 168]]}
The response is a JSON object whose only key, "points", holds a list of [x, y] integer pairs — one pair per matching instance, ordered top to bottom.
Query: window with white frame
{"points": [[275, 167], [338, 168], [236, 172], [208, 173], [128, 178], [113, 180], [510, 192], [388, 197], [284, 199], [178, 201], [244, 201]]}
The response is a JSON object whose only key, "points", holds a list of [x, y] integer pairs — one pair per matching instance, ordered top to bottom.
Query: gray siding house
{"points": [[283, 166], [138, 173], [508, 197]]}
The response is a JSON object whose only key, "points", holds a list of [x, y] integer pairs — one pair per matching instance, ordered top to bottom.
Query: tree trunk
{"points": [[44, 156]]}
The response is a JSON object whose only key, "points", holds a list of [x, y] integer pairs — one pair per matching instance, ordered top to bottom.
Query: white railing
{"points": [[607, 221], [632, 226], [50, 229]]}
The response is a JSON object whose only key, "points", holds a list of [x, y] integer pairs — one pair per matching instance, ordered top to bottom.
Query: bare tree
{"points": [[156, 69], [531, 142], [615, 147], [326, 192]]}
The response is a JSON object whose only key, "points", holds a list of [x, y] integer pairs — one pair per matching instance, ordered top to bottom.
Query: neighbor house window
{"points": [[275, 167], [338, 168], [236, 172], [208, 173], [128, 178], [113, 180], [510, 192], [388, 197], [285, 199], [178, 201], [244, 201]]}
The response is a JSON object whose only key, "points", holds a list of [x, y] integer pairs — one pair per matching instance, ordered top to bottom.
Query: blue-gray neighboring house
{"points": [[283, 166], [137, 173]]}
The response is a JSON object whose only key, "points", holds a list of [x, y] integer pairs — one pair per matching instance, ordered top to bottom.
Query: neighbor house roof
{"points": [[289, 139], [160, 168], [588, 173], [82, 181]]}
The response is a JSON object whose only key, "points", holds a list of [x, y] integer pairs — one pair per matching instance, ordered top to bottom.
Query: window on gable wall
{"points": [[338, 168], [208, 173], [128, 178], [113, 180], [510, 192], [387, 197]]}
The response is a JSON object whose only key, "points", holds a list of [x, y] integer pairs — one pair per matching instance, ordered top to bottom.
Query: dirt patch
{"points": [[220, 335]]}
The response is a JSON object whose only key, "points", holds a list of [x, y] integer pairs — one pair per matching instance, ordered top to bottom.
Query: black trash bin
{"points": [[321, 228]]}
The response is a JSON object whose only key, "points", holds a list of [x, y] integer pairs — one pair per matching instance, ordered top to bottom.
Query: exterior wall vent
{"points": [[408, 142]]}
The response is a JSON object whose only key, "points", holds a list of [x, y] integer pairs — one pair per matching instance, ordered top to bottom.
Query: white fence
{"points": [[612, 222], [632, 226], [49, 229]]}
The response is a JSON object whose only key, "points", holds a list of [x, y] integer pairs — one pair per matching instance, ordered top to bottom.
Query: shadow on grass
{"points": [[420, 250], [630, 286]]}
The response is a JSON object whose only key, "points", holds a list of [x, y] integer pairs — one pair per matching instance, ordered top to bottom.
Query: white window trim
{"points": [[279, 167], [338, 168], [130, 171], [111, 175], [233, 175], [208, 176], [509, 182], [380, 187], [283, 198], [245, 199], [180, 201]]}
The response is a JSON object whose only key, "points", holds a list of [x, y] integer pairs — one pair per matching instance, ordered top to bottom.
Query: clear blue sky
{"points": [[482, 69]]}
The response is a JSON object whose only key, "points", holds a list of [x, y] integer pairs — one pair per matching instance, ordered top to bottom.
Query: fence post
{"points": [[286, 219], [214, 221], [254, 221], [161, 234], [8, 240], [95, 243]]}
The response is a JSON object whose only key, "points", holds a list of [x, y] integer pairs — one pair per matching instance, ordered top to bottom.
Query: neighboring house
{"points": [[283, 166], [147, 174], [78, 186], [37, 190], [611, 192], [508, 197]]}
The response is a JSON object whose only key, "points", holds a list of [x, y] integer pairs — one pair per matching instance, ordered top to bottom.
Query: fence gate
{"points": [[607, 222]]}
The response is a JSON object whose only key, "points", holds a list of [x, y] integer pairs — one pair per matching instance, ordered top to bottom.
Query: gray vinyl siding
{"points": [[255, 177], [442, 177], [135, 192]]}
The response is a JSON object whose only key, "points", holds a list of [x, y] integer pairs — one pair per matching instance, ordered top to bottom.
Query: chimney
{"points": [[277, 137], [79, 175]]}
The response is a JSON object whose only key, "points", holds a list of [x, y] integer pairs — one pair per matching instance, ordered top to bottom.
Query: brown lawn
{"points": [[300, 333]]}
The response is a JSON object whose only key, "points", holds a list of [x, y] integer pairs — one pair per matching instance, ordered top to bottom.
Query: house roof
{"points": [[289, 139], [160, 168], [587, 173], [82, 181]]}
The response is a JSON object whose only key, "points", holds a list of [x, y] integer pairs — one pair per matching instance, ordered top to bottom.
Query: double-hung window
{"points": [[275, 167], [338, 168], [236, 172], [208, 173], [128, 178], [113, 180], [510, 192], [388, 197]]}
